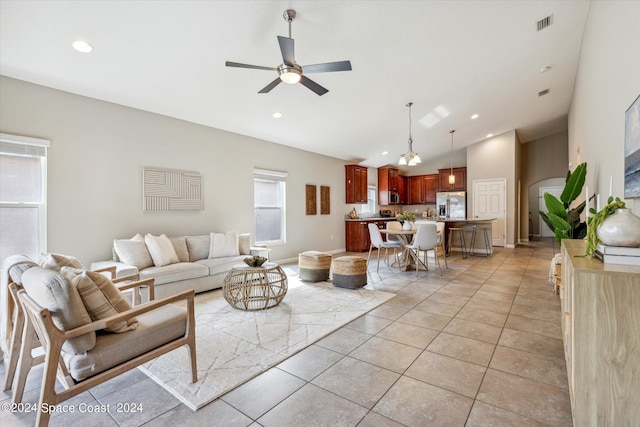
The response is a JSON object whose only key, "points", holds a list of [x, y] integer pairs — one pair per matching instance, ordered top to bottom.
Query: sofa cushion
{"points": [[224, 245], [180, 246], [198, 247], [161, 250], [133, 251], [57, 261], [221, 265], [174, 272], [52, 291], [100, 296], [155, 328]]}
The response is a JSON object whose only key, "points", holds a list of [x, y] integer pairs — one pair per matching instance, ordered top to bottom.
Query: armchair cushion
{"points": [[161, 250], [133, 251], [57, 261], [52, 291], [100, 296], [155, 328]]}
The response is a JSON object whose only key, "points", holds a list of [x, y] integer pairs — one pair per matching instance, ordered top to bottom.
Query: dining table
{"points": [[407, 257]]}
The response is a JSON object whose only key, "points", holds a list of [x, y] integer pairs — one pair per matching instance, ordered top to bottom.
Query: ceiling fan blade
{"points": [[287, 49], [255, 67], [327, 67], [270, 86], [319, 90]]}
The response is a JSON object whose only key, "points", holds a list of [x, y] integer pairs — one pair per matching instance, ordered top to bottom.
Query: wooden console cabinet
{"points": [[356, 184], [601, 332]]}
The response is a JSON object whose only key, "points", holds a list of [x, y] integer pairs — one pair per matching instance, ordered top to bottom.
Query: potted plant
{"points": [[406, 218], [563, 221], [613, 225]]}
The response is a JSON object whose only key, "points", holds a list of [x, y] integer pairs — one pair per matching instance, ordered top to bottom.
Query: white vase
{"points": [[406, 226], [621, 228]]}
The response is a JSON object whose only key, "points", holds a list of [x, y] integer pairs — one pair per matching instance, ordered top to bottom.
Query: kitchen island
{"points": [[467, 224]]}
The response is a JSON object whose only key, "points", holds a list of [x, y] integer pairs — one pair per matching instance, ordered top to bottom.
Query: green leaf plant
{"points": [[597, 219], [563, 221]]}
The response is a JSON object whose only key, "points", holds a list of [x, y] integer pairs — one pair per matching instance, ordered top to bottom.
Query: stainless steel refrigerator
{"points": [[452, 205]]}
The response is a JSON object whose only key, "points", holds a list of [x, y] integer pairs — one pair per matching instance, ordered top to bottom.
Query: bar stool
{"points": [[462, 243], [487, 246]]}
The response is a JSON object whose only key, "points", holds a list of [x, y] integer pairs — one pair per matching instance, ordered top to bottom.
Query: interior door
{"points": [[490, 201], [545, 231]]}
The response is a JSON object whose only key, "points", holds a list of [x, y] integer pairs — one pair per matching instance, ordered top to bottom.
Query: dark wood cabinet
{"points": [[461, 179], [356, 184], [388, 186], [402, 189], [422, 189], [357, 234]]}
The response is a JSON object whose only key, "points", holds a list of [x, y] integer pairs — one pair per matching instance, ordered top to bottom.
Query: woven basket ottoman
{"points": [[314, 266], [350, 272]]}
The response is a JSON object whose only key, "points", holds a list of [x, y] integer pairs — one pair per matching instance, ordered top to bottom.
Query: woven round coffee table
{"points": [[255, 288]]}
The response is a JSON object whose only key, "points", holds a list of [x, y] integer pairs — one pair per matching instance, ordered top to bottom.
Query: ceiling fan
{"points": [[289, 71]]}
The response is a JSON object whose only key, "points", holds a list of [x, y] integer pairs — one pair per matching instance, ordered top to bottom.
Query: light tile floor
{"points": [[479, 346]]}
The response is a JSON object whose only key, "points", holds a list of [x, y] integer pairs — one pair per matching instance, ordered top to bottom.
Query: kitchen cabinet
{"points": [[461, 179], [356, 184], [388, 186], [402, 189], [422, 189], [357, 234], [600, 314]]}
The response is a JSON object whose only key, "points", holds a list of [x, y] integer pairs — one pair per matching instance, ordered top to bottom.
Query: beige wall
{"points": [[608, 81], [97, 153], [495, 158], [542, 159]]}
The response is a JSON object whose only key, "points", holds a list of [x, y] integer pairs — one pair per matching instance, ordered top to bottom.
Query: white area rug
{"points": [[234, 346]]}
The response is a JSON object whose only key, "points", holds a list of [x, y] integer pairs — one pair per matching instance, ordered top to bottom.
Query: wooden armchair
{"points": [[24, 340], [82, 355]]}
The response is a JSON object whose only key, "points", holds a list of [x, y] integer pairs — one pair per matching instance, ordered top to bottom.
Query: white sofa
{"points": [[192, 262]]}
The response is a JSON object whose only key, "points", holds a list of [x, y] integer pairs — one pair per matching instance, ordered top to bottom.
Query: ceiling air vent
{"points": [[544, 23], [543, 92]]}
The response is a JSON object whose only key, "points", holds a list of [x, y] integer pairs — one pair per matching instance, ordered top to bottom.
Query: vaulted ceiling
{"points": [[452, 59]]}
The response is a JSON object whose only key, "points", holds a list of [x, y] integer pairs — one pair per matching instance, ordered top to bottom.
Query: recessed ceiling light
{"points": [[82, 46], [544, 69], [277, 115], [475, 116], [489, 135], [384, 153]]}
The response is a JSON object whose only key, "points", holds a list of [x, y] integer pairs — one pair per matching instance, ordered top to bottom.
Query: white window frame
{"points": [[23, 145], [272, 176], [370, 207]]}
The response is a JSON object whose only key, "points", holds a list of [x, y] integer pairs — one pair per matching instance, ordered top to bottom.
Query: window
{"points": [[23, 196], [269, 206], [370, 207]]}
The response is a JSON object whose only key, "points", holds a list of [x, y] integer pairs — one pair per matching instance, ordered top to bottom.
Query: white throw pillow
{"points": [[180, 245], [224, 245], [161, 250], [133, 252]]}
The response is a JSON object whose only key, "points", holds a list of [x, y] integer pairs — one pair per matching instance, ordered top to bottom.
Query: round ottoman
{"points": [[314, 266], [350, 272]]}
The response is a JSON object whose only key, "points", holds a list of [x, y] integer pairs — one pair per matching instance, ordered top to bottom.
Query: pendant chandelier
{"points": [[410, 158], [452, 177]]}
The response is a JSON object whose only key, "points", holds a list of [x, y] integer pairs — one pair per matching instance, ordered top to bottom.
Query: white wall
{"points": [[608, 81], [98, 150], [495, 158]]}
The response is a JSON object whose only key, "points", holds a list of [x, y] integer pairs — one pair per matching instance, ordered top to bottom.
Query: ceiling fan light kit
{"points": [[289, 71], [411, 158]]}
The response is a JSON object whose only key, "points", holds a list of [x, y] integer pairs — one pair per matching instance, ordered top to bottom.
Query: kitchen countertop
{"points": [[374, 218]]}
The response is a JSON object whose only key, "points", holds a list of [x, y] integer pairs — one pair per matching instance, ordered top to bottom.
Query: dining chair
{"points": [[394, 225], [425, 240], [376, 241], [440, 245]]}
